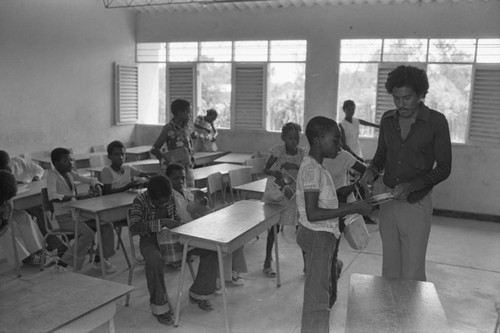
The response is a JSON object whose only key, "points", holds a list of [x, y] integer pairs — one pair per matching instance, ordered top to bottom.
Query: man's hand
{"points": [[401, 191], [363, 207]]}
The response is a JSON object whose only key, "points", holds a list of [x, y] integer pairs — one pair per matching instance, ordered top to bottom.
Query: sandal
{"points": [[268, 271]]}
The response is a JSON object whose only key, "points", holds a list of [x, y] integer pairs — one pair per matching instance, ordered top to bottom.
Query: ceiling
{"points": [[172, 6]]}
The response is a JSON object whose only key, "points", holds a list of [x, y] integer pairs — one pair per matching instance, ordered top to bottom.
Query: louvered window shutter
{"points": [[181, 83], [126, 94], [249, 96], [484, 125]]}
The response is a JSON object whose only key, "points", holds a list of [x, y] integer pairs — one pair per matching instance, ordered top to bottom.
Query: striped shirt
{"points": [[142, 215]]}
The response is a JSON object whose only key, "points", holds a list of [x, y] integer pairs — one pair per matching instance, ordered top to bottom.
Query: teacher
{"points": [[178, 137]]}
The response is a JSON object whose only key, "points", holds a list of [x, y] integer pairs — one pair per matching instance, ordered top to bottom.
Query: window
{"points": [[464, 79], [252, 84]]}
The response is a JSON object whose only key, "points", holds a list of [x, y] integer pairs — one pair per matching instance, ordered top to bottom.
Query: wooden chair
{"points": [[258, 164], [238, 177], [215, 186], [49, 221], [138, 260]]}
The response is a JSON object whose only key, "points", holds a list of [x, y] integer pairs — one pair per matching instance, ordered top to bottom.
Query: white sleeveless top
{"points": [[351, 131]]}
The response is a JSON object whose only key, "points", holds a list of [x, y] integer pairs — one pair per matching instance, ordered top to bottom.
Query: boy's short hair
{"points": [[410, 76], [348, 103], [179, 105], [212, 113], [317, 127], [113, 145], [58, 153], [4, 160], [173, 167], [8, 186], [159, 186]]}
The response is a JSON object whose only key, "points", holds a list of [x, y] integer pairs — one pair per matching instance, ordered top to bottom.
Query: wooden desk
{"points": [[138, 153], [202, 157], [234, 158], [81, 161], [149, 165], [200, 174], [253, 189], [105, 209], [225, 231], [67, 302], [378, 304]]}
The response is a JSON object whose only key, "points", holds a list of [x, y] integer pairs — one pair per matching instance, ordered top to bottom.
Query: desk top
{"points": [[139, 149], [205, 157], [235, 158], [135, 164], [223, 168], [257, 186], [33, 188], [105, 202], [231, 223], [48, 303], [378, 304]]}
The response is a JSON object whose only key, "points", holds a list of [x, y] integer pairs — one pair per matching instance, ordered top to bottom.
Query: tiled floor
{"points": [[463, 263]]}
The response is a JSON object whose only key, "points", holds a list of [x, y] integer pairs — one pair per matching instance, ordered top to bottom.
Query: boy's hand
{"points": [[344, 191], [364, 207], [169, 223]]}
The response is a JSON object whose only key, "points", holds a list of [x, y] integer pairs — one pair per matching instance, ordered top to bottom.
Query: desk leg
{"points": [[99, 243], [75, 247], [276, 252], [16, 256], [181, 282], [223, 285], [111, 326]]}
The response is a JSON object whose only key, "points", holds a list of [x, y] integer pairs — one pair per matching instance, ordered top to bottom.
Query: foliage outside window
{"points": [[449, 63], [214, 87]]}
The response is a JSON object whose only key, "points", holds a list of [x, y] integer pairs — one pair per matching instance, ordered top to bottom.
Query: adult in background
{"points": [[204, 126], [349, 130], [178, 137], [414, 150]]}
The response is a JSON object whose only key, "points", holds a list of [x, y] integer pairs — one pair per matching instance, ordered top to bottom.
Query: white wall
{"points": [[56, 73], [473, 186]]}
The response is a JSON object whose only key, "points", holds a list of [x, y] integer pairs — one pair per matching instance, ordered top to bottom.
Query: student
{"points": [[349, 129], [207, 133], [177, 135], [414, 150], [285, 156], [119, 177], [61, 189], [8, 190], [189, 207], [151, 211], [318, 230], [27, 236]]}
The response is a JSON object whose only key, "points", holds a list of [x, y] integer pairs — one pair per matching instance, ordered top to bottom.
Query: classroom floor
{"points": [[463, 262]]}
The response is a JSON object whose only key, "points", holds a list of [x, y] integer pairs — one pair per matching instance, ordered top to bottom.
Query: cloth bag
{"points": [[179, 156], [273, 193], [355, 232], [170, 246]]}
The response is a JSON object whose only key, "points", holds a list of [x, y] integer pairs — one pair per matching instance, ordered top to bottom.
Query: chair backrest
{"points": [[98, 149], [98, 160], [258, 164], [239, 177], [215, 185], [48, 210], [131, 236]]}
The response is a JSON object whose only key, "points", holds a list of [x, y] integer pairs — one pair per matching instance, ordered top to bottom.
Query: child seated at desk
{"points": [[119, 177], [61, 189], [192, 205], [151, 211], [27, 236]]}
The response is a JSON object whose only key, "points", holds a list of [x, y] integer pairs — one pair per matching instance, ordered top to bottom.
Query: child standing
{"points": [[178, 136], [285, 156], [118, 177], [61, 189], [318, 230]]}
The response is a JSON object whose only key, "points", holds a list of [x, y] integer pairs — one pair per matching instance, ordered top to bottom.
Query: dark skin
{"points": [[209, 119], [291, 139], [328, 145], [117, 158], [64, 166], [161, 212]]}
